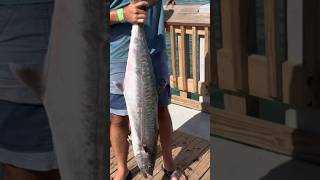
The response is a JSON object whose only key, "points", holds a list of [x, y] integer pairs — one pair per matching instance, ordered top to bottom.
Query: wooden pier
{"points": [[191, 154]]}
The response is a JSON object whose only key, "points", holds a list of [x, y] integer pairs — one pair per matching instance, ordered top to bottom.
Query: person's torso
{"points": [[120, 33], [24, 38]]}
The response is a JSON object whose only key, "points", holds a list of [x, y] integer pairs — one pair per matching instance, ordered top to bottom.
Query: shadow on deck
{"points": [[190, 153]]}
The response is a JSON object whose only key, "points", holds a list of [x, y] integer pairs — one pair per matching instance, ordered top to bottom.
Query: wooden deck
{"points": [[191, 154]]}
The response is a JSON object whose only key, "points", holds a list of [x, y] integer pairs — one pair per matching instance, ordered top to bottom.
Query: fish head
{"points": [[146, 158]]}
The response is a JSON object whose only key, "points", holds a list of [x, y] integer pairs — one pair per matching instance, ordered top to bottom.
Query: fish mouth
{"points": [[146, 160], [147, 170]]}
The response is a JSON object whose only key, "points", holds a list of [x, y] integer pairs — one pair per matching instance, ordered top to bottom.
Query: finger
{"points": [[141, 4], [139, 11], [141, 16], [140, 21]]}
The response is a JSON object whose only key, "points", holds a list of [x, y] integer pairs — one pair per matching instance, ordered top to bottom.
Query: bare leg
{"points": [[166, 130], [119, 131], [14, 173]]}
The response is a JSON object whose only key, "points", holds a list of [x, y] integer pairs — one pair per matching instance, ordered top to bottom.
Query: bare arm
{"points": [[134, 13], [113, 17]]}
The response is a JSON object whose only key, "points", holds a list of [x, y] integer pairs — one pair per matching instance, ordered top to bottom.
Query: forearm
{"points": [[133, 13], [113, 17]]}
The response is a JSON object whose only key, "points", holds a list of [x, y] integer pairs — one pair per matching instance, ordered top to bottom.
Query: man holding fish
{"points": [[124, 16]]}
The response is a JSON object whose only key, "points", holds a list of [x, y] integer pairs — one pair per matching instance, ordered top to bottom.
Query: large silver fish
{"points": [[73, 88], [141, 97]]}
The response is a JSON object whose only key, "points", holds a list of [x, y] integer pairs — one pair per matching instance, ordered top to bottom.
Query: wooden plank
{"points": [[183, 9], [239, 16], [184, 19], [226, 27], [200, 30], [272, 37], [207, 56], [213, 56], [173, 57], [194, 59], [204, 67], [225, 69], [258, 76], [182, 85], [191, 87], [202, 88], [184, 94], [186, 102], [234, 103], [264, 134], [178, 139], [186, 150], [178, 151], [113, 163], [132, 165], [200, 168], [206, 176]]}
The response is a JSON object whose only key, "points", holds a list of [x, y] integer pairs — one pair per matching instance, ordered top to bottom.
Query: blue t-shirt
{"points": [[11, 2], [154, 29]]}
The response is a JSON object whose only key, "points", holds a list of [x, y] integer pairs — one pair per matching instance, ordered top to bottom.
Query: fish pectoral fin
{"points": [[30, 75], [119, 85], [129, 139], [145, 148]]}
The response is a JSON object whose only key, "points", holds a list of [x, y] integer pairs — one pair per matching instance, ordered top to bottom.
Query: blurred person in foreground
{"points": [[26, 147]]}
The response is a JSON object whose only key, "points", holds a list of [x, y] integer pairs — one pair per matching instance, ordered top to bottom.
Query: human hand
{"points": [[135, 13]]}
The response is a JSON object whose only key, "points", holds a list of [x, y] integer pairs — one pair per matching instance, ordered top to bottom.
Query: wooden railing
{"points": [[180, 26], [246, 77]]}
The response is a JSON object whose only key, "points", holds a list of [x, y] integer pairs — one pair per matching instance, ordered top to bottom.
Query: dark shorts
{"points": [[118, 103], [25, 136]]}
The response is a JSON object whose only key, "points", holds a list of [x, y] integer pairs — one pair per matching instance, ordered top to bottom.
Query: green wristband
{"points": [[121, 16]]}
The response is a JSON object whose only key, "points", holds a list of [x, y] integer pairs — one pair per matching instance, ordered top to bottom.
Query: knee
{"points": [[119, 121]]}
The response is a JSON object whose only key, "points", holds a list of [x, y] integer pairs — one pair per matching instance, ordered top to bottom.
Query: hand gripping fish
{"points": [[72, 85], [141, 95]]}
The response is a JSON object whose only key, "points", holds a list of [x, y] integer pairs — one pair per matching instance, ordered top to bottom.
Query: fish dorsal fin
{"points": [[30, 75]]}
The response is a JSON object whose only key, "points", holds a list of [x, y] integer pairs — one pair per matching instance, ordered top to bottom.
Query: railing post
{"points": [[272, 54], [173, 56], [194, 59], [205, 71], [182, 79]]}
